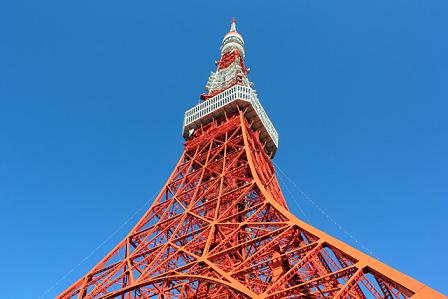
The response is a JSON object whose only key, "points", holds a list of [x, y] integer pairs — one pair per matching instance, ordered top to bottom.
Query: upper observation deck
{"points": [[228, 101]]}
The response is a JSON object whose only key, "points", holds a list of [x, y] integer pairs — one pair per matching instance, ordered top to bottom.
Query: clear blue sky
{"points": [[92, 96]]}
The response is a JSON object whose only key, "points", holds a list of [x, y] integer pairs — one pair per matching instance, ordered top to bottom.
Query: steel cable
{"points": [[323, 212], [98, 247]]}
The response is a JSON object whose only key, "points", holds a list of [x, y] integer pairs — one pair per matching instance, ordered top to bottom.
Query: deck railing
{"points": [[234, 93]]}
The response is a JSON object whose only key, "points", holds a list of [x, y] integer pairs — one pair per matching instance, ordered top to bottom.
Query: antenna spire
{"points": [[233, 25]]}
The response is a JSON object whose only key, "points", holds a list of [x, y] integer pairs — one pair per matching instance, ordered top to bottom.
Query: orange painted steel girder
{"points": [[220, 228]]}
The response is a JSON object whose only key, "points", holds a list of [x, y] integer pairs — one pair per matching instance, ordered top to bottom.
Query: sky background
{"points": [[92, 96]]}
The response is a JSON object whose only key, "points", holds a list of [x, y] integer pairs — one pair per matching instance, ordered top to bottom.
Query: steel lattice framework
{"points": [[220, 228]]}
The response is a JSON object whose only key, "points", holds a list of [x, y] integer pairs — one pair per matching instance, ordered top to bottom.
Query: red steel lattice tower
{"points": [[220, 228]]}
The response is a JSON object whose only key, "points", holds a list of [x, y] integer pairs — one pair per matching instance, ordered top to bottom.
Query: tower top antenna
{"points": [[233, 25]]}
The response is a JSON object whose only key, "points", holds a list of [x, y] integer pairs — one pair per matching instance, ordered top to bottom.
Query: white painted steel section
{"points": [[234, 93]]}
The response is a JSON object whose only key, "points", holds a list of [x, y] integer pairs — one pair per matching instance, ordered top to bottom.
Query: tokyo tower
{"points": [[220, 228]]}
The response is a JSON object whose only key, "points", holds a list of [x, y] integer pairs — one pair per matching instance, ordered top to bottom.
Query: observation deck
{"points": [[228, 101]]}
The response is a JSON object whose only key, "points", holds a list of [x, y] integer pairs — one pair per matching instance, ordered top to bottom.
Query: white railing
{"points": [[234, 93]]}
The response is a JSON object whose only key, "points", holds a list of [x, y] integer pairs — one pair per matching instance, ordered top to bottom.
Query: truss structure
{"points": [[220, 228]]}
